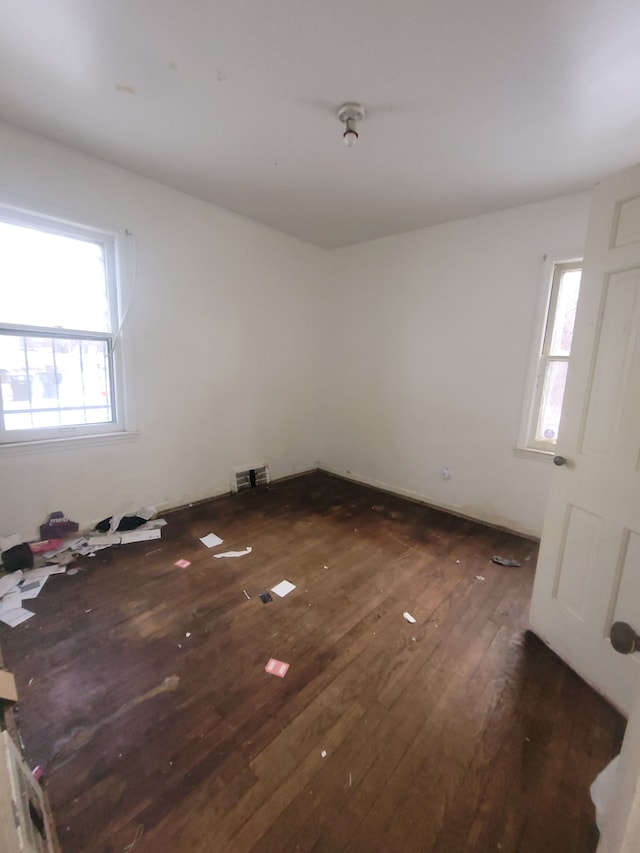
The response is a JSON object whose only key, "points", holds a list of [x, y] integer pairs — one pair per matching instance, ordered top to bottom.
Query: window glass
{"points": [[52, 280], [565, 312], [57, 320], [55, 381], [551, 404], [542, 411]]}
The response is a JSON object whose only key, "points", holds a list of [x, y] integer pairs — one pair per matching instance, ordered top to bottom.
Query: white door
{"points": [[588, 573]]}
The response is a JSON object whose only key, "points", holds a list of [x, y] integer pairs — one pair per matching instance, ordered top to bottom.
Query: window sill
{"points": [[53, 445], [531, 453]]}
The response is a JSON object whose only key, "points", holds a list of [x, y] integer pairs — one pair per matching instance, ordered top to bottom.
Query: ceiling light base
{"points": [[349, 114]]}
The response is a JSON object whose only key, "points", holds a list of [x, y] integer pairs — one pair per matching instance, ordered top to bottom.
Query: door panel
{"points": [[627, 222], [614, 348], [575, 566], [588, 572], [627, 585]]}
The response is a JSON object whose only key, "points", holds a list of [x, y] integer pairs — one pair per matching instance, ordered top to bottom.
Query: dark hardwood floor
{"points": [[145, 698]]}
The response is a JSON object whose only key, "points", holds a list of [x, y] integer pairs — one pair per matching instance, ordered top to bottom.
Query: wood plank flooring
{"points": [[144, 694]]}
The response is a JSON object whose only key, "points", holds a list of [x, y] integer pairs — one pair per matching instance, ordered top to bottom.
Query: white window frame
{"points": [[112, 242], [539, 358]]}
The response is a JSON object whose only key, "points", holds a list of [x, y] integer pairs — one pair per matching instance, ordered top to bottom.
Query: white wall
{"points": [[221, 339], [426, 347], [384, 361]]}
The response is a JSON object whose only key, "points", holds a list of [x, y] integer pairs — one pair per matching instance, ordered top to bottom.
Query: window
{"points": [[552, 355], [59, 376]]}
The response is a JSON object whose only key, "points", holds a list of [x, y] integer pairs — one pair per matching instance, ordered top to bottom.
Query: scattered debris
{"points": [[148, 512], [120, 522], [128, 522], [57, 525], [140, 535], [107, 540], [211, 540], [7, 542], [46, 546], [155, 551], [233, 553], [18, 557], [60, 560], [505, 561], [182, 564], [28, 565], [43, 572], [480, 578], [8, 582], [31, 588], [283, 588], [246, 594], [265, 597], [12, 600], [15, 616], [408, 617], [188, 634], [277, 667], [8, 690], [323, 754], [38, 772], [349, 779], [136, 838]]}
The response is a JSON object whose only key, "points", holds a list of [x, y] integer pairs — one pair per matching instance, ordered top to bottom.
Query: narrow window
{"points": [[553, 357], [59, 376]]}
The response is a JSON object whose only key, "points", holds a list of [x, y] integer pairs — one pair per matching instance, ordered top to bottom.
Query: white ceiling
{"points": [[473, 105]]}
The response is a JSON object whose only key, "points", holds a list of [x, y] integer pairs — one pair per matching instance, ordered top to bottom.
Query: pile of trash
{"points": [[28, 565]]}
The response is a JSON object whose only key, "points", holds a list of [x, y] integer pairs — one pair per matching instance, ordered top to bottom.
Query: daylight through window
{"points": [[58, 318], [554, 356]]}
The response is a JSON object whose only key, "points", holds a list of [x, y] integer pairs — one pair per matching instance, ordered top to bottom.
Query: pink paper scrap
{"points": [[182, 564], [277, 667]]}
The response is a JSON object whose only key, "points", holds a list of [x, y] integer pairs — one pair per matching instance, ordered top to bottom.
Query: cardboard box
{"points": [[8, 690]]}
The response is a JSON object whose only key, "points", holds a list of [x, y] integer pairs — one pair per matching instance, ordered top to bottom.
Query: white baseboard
{"points": [[452, 509]]}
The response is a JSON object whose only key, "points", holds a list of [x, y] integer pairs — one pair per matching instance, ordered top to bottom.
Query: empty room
{"points": [[319, 426]]}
